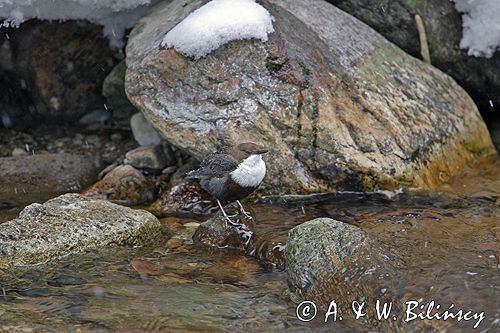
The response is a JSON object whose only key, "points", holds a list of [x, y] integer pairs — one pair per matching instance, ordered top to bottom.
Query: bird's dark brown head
{"points": [[244, 150]]}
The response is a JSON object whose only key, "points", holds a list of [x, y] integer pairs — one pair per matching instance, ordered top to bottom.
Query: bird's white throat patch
{"points": [[250, 172]]}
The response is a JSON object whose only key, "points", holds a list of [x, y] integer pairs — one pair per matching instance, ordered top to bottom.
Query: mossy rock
{"points": [[72, 223]]}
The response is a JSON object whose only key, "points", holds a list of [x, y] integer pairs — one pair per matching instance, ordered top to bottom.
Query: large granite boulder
{"points": [[339, 106], [69, 224]]}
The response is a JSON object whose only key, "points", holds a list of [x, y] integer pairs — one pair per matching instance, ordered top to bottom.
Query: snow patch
{"points": [[115, 15], [217, 23], [481, 26]]}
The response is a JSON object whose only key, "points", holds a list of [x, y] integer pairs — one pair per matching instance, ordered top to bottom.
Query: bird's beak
{"points": [[262, 151]]}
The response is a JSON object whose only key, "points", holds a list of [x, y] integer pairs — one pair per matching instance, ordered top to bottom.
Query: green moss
{"points": [[479, 149]]}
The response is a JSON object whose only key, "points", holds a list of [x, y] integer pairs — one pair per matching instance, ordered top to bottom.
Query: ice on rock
{"points": [[217, 23], [481, 26]]}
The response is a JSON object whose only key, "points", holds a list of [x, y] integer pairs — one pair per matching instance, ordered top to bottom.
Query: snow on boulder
{"points": [[115, 15], [217, 23], [481, 26]]}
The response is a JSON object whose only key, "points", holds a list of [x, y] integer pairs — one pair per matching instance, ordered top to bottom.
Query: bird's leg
{"points": [[244, 212], [226, 217]]}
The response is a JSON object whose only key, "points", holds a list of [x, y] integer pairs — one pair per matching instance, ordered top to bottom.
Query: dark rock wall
{"points": [[394, 19], [56, 67]]}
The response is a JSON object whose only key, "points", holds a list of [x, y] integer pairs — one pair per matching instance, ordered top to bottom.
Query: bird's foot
{"points": [[247, 215], [227, 218]]}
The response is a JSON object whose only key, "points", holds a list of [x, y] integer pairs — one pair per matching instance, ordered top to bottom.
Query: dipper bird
{"points": [[232, 177]]}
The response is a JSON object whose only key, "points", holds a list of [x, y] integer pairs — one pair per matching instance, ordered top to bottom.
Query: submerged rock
{"points": [[339, 106], [30, 178], [69, 224], [330, 260]]}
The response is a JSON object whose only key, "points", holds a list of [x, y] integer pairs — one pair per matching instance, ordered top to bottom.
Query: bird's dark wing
{"points": [[215, 165]]}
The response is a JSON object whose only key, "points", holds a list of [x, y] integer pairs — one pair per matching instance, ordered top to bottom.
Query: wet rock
{"points": [[72, 59], [480, 77], [113, 88], [339, 106], [143, 132], [116, 137], [149, 157], [106, 170], [169, 171], [30, 178], [124, 185], [186, 197], [69, 224], [216, 232], [174, 243], [270, 253], [330, 260], [144, 267]]}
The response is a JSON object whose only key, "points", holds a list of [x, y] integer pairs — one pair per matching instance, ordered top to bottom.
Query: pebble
{"points": [[95, 117], [143, 132], [116, 137], [93, 140], [148, 157], [192, 225], [173, 243]]}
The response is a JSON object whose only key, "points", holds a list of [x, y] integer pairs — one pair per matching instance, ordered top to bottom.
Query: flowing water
{"points": [[449, 241]]}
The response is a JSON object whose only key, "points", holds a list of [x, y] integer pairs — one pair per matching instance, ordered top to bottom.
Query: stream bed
{"points": [[448, 240]]}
